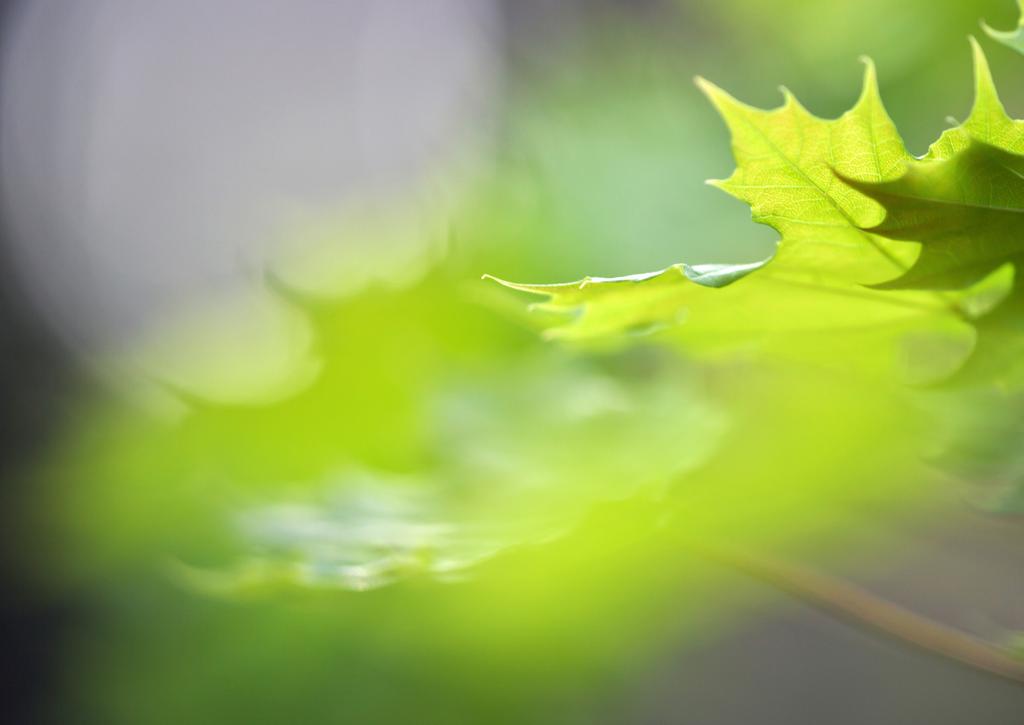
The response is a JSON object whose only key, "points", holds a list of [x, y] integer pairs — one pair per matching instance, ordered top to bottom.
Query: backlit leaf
{"points": [[799, 174]]}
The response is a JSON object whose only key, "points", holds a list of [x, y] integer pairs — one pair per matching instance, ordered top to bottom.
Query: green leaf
{"points": [[1010, 38], [988, 122], [787, 165], [791, 167], [963, 201], [964, 204], [966, 211], [597, 306], [999, 351]]}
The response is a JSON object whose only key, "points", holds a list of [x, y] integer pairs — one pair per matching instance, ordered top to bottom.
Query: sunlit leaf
{"points": [[791, 167], [964, 204]]}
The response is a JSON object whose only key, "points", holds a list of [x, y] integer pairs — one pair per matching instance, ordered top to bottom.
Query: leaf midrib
{"points": [[816, 186]]}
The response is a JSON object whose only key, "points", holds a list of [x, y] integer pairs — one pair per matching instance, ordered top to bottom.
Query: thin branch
{"points": [[852, 603]]}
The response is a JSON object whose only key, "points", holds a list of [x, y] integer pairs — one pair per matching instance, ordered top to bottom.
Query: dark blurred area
{"points": [[36, 378]]}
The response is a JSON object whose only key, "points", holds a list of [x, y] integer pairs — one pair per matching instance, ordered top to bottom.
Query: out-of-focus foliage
{"points": [[1011, 38], [982, 445], [531, 509], [448, 519]]}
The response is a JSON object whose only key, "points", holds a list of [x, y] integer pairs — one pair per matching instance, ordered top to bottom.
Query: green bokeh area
{"points": [[456, 521], [500, 531]]}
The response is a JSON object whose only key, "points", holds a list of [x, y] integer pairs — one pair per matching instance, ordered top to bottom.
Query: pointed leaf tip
{"points": [[870, 73], [869, 85], [709, 89], [986, 97], [719, 98], [532, 289]]}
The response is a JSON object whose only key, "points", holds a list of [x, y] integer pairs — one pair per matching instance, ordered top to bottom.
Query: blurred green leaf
{"points": [[1010, 38]]}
